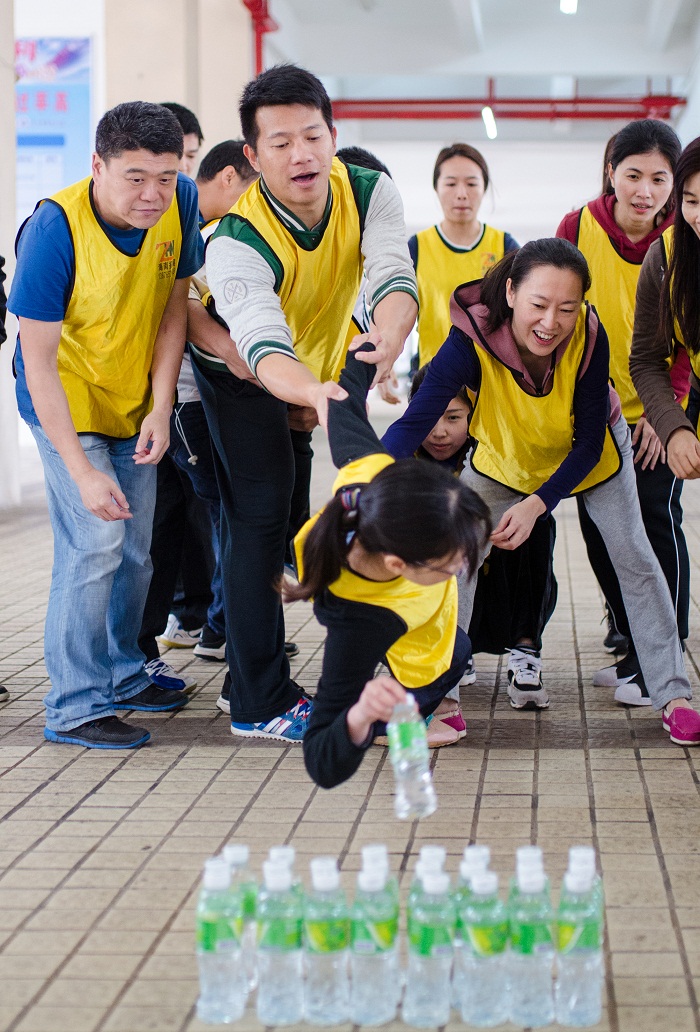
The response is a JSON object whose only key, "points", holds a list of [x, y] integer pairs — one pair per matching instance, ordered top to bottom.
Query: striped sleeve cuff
{"points": [[398, 284], [261, 348]]}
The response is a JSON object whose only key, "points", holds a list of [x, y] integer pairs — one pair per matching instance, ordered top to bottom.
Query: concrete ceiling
{"points": [[450, 48]]}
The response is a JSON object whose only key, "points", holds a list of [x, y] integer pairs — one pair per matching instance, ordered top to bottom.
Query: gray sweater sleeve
{"points": [[388, 265], [649, 356]]}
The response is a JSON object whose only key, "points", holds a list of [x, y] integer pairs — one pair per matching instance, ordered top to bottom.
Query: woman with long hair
{"points": [[614, 233], [458, 249], [667, 319], [546, 425], [380, 562]]}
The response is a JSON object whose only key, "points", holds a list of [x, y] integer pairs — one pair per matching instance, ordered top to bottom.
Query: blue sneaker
{"points": [[162, 674], [290, 727]]}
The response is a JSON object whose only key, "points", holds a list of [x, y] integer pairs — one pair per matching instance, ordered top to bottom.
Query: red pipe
{"points": [[263, 22], [587, 108]]}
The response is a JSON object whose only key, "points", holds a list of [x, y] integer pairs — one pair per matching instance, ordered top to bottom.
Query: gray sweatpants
{"points": [[614, 508]]}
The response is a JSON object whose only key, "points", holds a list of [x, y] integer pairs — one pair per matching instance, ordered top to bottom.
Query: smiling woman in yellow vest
{"points": [[614, 232], [457, 250], [546, 425]]}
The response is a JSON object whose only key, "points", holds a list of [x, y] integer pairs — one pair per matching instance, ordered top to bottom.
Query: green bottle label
{"points": [[404, 736], [249, 900], [217, 928], [280, 934], [327, 936], [374, 936], [586, 936], [528, 938], [430, 940], [487, 940]]}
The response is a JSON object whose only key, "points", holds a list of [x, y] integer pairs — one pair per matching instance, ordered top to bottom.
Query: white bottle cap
{"points": [[410, 699], [375, 853], [236, 854], [282, 854], [529, 854], [432, 857], [476, 857], [582, 858], [217, 874], [277, 876], [324, 876], [371, 879], [531, 879], [578, 880], [436, 883], [484, 883]]}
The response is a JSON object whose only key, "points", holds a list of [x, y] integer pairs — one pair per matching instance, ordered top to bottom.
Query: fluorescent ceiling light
{"points": [[568, 6], [489, 123]]}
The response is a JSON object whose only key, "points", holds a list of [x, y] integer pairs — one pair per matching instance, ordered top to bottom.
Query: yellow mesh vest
{"points": [[667, 244], [440, 270], [319, 288], [613, 291], [113, 316], [523, 453], [425, 651]]}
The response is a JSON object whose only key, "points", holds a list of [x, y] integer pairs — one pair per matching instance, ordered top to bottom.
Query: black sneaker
{"points": [[614, 641], [211, 645], [291, 649], [4, 694], [154, 700], [105, 733]]}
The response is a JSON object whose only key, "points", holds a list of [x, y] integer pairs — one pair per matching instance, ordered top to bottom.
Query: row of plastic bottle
{"points": [[314, 958]]}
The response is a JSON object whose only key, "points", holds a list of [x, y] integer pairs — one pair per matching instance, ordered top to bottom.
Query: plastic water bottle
{"points": [[410, 758], [286, 855], [236, 856], [375, 856], [527, 858], [582, 858], [475, 859], [431, 860], [326, 942], [430, 945], [531, 951], [481, 972], [280, 979], [222, 980], [579, 983], [375, 985]]}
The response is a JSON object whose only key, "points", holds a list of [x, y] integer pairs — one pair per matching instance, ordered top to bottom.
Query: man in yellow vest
{"points": [[284, 269], [100, 290]]}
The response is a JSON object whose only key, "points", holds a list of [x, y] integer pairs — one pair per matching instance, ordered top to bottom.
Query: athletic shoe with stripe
{"points": [[176, 637], [163, 675], [469, 675], [525, 688], [290, 727]]}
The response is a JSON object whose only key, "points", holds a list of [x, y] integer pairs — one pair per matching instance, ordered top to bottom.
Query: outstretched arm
{"points": [[350, 433]]}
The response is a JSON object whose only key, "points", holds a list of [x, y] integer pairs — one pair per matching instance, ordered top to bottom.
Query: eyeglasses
{"points": [[458, 572]]}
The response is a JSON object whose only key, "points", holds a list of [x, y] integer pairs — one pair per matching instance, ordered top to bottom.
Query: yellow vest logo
{"points": [[166, 258], [487, 260]]}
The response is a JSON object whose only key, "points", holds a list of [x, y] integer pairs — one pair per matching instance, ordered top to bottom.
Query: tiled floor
{"points": [[100, 854]]}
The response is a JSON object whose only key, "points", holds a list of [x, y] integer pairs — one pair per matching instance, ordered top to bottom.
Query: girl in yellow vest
{"points": [[614, 232], [459, 249], [668, 283], [546, 425], [381, 562]]}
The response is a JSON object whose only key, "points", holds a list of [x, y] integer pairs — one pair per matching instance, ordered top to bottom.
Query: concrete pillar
{"points": [[195, 52], [9, 450]]}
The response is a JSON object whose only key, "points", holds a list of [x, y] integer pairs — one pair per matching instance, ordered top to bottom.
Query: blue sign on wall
{"points": [[52, 103]]}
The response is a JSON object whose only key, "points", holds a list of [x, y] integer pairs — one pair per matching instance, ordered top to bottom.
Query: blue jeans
{"points": [[100, 578]]}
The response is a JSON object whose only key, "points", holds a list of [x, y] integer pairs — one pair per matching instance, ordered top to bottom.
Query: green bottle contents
{"points": [[236, 856], [431, 859], [474, 860], [326, 942], [430, 950], [531, 950], [481, 968], [222, 978], [375, 982], [579, 984], [280, 998]]}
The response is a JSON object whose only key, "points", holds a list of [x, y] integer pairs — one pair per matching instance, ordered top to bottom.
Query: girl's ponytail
{"points": [[326, 547]]}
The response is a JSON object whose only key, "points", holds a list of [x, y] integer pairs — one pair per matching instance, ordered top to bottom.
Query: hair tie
{"points": [[350, 500]]}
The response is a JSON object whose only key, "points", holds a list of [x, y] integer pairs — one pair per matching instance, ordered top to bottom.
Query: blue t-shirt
{"points": [[43, 280]]}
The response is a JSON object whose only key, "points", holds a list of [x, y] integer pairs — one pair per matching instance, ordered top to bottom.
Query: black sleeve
{"points": [[413, 251], [3, 302], [350, 433], [359, 636]]}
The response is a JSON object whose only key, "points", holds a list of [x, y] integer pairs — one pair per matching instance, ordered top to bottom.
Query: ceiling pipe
{"points": [[262, 22], [520, 108]]}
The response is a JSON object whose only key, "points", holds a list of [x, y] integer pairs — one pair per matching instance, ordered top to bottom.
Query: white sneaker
{"points": [[176, 637], [162, 674], [469, 675], [525, 686]]}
